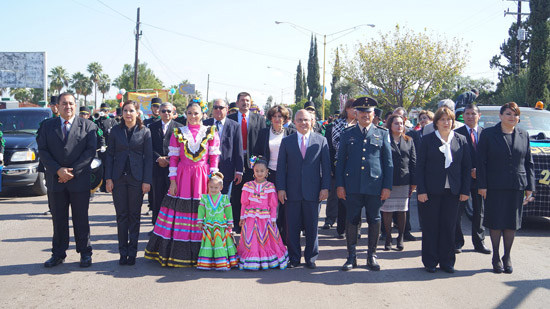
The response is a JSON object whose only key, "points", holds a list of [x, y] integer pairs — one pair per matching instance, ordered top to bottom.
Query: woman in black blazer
{"points": [[129, 170], [443, 179], [506, 179], [404, 182]]}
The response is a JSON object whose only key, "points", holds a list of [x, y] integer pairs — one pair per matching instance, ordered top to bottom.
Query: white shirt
{"points": [[69, 125], [165, 125], [300, 139], [274, 145]]}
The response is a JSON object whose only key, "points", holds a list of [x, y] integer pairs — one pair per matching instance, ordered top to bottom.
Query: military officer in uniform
{"points": [[155, 112], [364, 174]]}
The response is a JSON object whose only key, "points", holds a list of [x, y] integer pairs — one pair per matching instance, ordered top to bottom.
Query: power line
{"points": [[110, 8]]}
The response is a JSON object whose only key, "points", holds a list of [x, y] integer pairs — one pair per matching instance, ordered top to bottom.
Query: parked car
{"points": [[537, 124], [19, 126]]}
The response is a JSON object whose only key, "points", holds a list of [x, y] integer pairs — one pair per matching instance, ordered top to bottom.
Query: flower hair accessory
{"points": [[203, 105], [253, 160], [210, 175]]}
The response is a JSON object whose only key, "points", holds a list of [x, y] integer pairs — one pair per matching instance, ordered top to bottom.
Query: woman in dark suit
{"points": [[267, 146], [129, 170], [443, 179], [506, 179], [404, 182]]}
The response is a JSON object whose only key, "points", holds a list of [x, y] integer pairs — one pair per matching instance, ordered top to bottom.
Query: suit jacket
{"points": [[255, 124], [416, 135], [160, 143], [262, 144], [231, 148], [139, 150], [473, 151], [77, 152], [404, 162], [364, 164], [430, 166], [501, 167], [303, 178]]}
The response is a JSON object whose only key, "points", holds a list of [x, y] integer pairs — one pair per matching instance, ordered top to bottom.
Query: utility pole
{"points": [[138, 34], [520, 34], [324, 63], [208, 88]]}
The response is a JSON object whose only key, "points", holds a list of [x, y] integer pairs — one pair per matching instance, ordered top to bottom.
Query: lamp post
{"points": [[348, 30]]}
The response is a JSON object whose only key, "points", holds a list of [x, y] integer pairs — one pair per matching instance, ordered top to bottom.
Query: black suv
{"points": [[19, 126]]}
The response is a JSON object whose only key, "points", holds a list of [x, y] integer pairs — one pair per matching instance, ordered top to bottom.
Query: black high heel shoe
{"points": [[387, 245], [497, 266], [508, 269]]}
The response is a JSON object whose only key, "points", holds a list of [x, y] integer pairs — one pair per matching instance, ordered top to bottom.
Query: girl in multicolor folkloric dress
{"points": [[194, 151], [215, 219], [261, 246]]}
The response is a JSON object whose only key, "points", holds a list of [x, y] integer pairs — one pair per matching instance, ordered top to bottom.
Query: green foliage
{"points": [[508, 52], [404, 68], [95, 70], [146, 78], [59, 79], [538, 81], [77, 83], [104, 84], [313, 84], [87, 88], [453, 88], [511, 89], [300, 91], [335, 92], [21, 94], [113, 104], [268, 104]]}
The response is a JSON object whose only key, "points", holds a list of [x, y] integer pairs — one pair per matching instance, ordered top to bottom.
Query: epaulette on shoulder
{"points": [[381, 128], [348, 129]]}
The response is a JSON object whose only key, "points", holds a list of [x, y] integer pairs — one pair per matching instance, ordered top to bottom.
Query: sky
{"points": [[237, 44]]}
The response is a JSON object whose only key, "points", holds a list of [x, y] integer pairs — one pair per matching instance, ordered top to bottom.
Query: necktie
{"points": [[218, 123], [163, 128], [65, 131], [244, 131], [364, 131], [473, 136], [303, 147]]}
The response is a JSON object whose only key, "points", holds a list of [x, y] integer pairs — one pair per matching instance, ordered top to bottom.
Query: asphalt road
{"points": [[25, 240]]}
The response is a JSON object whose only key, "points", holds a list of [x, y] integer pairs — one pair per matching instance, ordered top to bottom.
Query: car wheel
{"points": [[39, 187]]}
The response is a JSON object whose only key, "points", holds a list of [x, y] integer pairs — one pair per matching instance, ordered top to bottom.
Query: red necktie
{"points": [[244, 131], [473, 136]]}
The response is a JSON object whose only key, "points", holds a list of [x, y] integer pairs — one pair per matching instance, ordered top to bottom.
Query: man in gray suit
{"points": [[303, 180]]}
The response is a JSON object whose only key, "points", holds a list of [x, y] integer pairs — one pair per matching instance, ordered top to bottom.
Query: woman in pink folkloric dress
{"points": [[194, 152]]}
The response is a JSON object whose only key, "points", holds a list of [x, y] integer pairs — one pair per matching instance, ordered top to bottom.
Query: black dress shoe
{"points": [[327, 226], [340, 236], [409, 237], [482, 249], [458, 250], [123, 260], [131, 260], [53, 261], [85, 261], [350, 264], [372, 264], [293, 265], [311, 265], [430, 269], [448, 269], [508, 269]]}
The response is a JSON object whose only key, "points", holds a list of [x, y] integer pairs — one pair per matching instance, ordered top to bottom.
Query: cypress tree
{"points": [[539, 54], [313, 71], [304, 84], [300, 92], [335, 95]]}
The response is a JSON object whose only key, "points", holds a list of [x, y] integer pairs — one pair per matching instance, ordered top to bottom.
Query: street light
{"points": [[352, 29]]}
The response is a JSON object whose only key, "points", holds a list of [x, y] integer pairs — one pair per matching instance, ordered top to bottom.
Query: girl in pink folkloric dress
{"points": [[194, 151], [261, 246]]}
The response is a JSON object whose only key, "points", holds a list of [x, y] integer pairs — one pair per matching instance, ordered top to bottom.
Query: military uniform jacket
{"points": [[364, 164]]}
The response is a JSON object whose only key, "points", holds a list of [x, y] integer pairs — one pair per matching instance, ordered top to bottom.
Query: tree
{"points": [[508, 52], [404, 68], [95, 70], [59, 78], [146, 78], [538, 81], [77, 83], [313, 84], [104, 85], [87, 86], [455, 87], [511, 89], [300, 92], [335, 93], [21, 94], [268, 104]]}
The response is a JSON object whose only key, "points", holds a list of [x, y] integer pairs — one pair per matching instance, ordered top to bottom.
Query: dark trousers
{"points": [[103, 157], [159, 189], [236, 193], [128, 198], [79, 203], [332, 203], [355, 203], [298, 213], [341, 220], [281, 221], [438, 229], [478, 231]]}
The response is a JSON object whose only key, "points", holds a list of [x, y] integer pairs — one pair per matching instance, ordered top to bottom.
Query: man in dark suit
{"points": [[251, 124], [161, 131], [472, 132], [231, 144], [67, 146], [364, 175], [303, 180]]}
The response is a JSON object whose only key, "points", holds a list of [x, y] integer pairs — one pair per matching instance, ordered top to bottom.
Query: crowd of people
{"points": [[211, 179]]}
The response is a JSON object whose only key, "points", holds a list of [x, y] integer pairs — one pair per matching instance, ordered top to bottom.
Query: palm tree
{"points": [[95, 70], [59, 78], [77, 84], [87, 85], [104, 85], [21, 94]]}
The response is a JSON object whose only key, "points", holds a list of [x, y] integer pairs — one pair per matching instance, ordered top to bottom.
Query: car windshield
{"points": [[18, 120], [532, 121]]}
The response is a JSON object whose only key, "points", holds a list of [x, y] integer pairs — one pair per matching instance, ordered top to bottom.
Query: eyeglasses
{"points": [[218, 107], [166, 111]]}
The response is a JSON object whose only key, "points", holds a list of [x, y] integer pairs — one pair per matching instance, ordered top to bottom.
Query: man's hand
{"points": [[163, 161], [473, 173], [65, 174], [238, 178], [109, 185], [145, 187], [412, 188], [341, 192], [482, 192], [385, 194], [323, 195], [282, 196], [464, 197], [422, 198]]}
